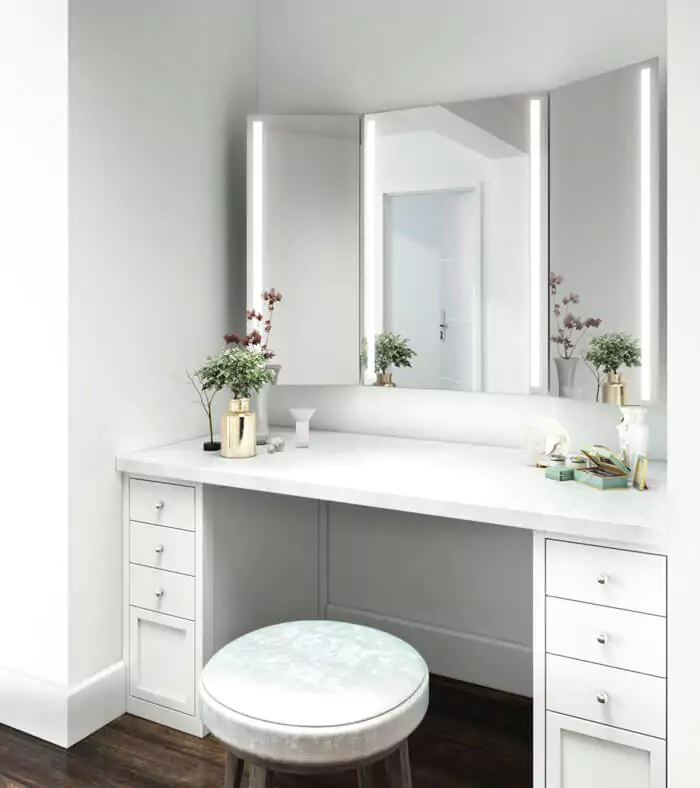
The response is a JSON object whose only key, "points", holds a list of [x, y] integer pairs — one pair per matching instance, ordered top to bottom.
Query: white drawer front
{"points": [[171, 505], [161, 548], [605, 576], [164, 592], [633, 641], [162, 660], [633, 701]]}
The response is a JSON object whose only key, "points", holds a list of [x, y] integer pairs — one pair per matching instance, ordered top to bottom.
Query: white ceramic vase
{"points": [[566, 376], [633, 432]]}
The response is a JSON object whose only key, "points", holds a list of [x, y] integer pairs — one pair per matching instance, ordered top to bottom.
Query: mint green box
{"points": [[560, 474], [601, 482]]}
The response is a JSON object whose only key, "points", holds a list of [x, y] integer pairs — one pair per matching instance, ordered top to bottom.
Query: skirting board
{"points": [[463, 656], [97, 701], [59, 714]]}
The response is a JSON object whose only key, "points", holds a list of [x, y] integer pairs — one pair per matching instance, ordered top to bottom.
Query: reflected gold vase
{"points": [[386, 379], [614, 392], [238, 430]]}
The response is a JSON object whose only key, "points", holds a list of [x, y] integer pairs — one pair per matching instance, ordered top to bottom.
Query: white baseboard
{"points": [[458, 655], [95, 702], [34, 706], [57, 713]]}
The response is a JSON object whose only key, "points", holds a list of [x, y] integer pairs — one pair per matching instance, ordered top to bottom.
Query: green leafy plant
{"points": [[391, 350], [610, 353], [242, 370]]}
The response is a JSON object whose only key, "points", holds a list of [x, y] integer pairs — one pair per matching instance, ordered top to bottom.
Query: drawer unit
{"points": [[170, 505], [162, 548], [606, 576], [164, 592], [618, 638], [162, 660], [609, 696]]}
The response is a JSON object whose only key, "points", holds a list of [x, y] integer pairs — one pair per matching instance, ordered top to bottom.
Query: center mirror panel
{"points": [[449, 258]]}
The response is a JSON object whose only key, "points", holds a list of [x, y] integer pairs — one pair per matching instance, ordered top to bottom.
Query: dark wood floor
{"points": [[471, 738]]}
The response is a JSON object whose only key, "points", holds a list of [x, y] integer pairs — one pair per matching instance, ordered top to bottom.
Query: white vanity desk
{"points": [[599, 578]]}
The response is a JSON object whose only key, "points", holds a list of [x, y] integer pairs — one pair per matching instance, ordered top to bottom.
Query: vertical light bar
{"points": [[257, 218], [645, 225], [370, 242], [536, 283]]}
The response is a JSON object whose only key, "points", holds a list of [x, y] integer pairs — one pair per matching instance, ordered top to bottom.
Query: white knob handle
{"points": [[160, 506], [159, 549], [603, 579], [159, 593], [602, 638], [602, 697]]}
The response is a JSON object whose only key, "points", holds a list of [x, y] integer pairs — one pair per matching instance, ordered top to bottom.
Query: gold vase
{"points": [[386, 379], [614, 392], [238, 430]]}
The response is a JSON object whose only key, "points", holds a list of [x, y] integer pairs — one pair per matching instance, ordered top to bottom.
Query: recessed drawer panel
{"points": [[171, 505], [161, 548], [605, 576], [164, 592], [619, 638], [610, 696]]}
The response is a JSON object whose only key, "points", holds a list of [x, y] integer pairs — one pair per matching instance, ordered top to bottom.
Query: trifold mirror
{"points": [[502, 245]]}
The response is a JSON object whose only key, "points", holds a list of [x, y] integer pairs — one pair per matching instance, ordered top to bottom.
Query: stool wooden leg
{"points": [[398, 766], [234, 771], [260, 777], [364, 777]]}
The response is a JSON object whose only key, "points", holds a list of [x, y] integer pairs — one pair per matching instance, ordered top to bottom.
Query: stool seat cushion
{"points": [[314, 692]]}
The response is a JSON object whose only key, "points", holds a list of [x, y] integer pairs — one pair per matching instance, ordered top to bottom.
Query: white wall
{"points": [[333, 56], [367, 56], [160, 91], [34, 385], [683, 432]]}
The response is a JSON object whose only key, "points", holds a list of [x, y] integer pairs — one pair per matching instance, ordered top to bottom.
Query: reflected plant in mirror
{"points": [[569, 331], [391, 351], [606, 355]]}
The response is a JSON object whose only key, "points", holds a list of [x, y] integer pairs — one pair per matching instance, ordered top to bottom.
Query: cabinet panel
{"points": [[606, 576], [619, 638], [162, 660], [582, 754]]}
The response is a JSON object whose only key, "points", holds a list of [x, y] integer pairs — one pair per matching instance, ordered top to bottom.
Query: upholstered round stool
{"points": [[314, 697]]}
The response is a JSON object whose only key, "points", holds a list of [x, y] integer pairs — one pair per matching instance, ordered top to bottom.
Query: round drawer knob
{"points": [[160, 506], [159, 549], [603, 579], [159, 593], [602, 638], [602, 697]]}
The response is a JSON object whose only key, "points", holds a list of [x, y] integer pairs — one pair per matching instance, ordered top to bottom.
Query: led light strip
{"points": [[645, 227], [370, 242], [536, 283], [255, 299]]}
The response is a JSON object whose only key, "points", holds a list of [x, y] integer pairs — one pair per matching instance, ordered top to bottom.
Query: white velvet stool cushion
{"points": [[314, 693]]}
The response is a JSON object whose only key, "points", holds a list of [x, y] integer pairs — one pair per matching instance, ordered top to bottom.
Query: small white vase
{"points": [[566, 376], [261, 406], [302, 417], [633, 432]]}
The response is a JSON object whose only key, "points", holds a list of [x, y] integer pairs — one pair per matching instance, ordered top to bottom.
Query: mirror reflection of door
{"points": [[432, 292]]}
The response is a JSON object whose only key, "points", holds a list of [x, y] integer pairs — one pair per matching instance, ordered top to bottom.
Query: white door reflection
{"points": [[432, 294]]}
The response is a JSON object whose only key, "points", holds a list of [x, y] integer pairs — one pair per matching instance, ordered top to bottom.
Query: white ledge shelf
{"points": [[455, 480]]}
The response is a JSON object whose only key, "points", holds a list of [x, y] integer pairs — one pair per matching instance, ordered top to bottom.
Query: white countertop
{"points": [[456, 480]]}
